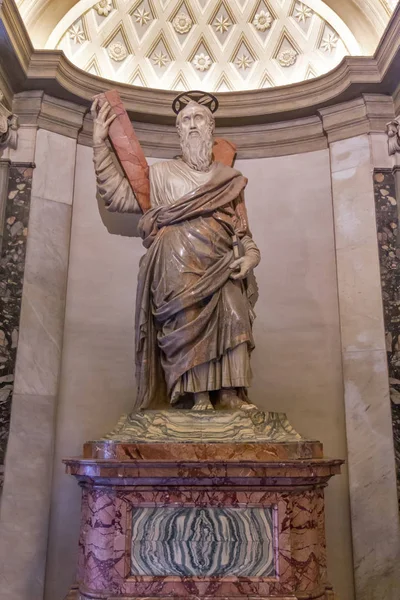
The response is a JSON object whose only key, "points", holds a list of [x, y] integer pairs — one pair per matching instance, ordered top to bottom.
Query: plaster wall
{"points": [[296, 364]]}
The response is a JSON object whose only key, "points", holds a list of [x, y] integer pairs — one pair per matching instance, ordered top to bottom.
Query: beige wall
{"points": [[297, 362]]}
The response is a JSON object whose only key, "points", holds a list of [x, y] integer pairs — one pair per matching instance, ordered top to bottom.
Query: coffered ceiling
{"points": [[215, 45]]}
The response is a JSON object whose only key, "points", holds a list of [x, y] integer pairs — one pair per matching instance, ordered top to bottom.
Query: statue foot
{"points": [[229, 399], [202, 401]]}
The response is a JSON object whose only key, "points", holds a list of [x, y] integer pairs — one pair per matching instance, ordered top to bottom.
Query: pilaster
{"points": [[49, 129], [355, 132]]}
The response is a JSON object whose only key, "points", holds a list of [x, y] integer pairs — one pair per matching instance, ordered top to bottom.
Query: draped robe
{"points": [[192, 321]]}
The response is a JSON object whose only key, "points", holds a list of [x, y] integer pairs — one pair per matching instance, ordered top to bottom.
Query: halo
{"points": [[202, 98]]}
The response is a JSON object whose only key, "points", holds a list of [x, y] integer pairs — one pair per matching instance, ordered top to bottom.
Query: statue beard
{"points": [[197, 149]]}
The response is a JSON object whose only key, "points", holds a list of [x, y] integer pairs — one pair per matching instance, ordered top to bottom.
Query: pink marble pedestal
{"points": [[150, 509]]}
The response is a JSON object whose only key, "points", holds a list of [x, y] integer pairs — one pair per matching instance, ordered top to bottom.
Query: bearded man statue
{"points": [[193, 324]]}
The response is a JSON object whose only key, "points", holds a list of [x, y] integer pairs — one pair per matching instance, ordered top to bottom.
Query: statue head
{"points": [[195, 124]]}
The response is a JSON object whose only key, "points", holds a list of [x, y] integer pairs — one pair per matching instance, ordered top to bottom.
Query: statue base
{"points": [[240, 515]]}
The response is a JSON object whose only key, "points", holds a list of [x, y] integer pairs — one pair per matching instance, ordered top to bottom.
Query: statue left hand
{"points": [[242, 266]]}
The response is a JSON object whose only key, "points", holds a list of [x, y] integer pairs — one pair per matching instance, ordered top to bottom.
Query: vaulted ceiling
{"points": [[216, 45]]}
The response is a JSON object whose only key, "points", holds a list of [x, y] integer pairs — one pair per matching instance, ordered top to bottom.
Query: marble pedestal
{"points": [[203, 519]]}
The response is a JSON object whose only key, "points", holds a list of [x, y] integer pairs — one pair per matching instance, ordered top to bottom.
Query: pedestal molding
{"points": [[292, 511]]}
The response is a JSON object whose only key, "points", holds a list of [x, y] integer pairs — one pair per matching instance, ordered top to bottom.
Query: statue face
{"points": [[194, 120], [195, 126]]}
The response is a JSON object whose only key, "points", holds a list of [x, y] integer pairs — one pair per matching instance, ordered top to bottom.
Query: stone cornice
{"points": [[52, 72], [37, 108], [367, 114], [61, 116], [252, 141]]}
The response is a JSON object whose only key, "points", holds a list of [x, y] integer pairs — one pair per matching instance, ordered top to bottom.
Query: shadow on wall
{"points": [[125, 224]]}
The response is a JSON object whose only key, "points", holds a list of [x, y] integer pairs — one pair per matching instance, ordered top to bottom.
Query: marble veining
{"points": [[386, 210], [12, 264], [204, 426], [112, 519], [201, 541]]}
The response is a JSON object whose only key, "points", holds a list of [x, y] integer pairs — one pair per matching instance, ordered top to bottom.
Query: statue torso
{"points": [[170, 180]]}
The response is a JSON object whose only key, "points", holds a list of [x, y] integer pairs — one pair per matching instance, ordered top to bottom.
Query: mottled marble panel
{"points": [[387, 220], [12, 264], [42, 314], [192, 541]]}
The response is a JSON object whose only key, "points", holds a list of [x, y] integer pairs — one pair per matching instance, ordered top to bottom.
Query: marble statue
{"points": [[8, 126], [393, 133], [195, 296]]}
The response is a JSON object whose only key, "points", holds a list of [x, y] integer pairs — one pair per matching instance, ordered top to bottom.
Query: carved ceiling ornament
{"points": [[103, 8], [302, 12], [142, 16], [262, 21], [182, 23], [222, 24], [221, 30], [77, 34], [329, 42], [117, 51], [287, 58], [160, 59], [243, 61], [202, 62], [8, 126], [393, 132]]}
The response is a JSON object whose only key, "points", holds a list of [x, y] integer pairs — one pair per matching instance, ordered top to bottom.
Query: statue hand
{"points": [[101, 121], [242, 266]]}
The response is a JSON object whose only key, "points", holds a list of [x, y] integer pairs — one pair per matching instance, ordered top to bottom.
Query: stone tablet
{"points": [[128, 150], [224, 151]]}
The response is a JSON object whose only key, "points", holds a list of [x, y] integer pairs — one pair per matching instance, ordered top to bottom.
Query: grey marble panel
{"points": [[197, 541]]}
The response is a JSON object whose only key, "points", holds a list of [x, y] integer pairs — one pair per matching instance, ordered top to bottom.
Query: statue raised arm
{"points": [[111, 120], [194, 313]]}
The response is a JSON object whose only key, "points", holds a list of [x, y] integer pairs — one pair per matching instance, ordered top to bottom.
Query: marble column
{"points": [[374, 509], [24, 518]]}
